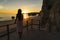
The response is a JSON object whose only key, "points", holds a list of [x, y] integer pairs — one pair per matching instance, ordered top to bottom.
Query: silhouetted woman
{"points": [[19, 19]]}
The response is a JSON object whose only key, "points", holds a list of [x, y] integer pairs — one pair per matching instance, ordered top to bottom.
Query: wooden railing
{"points": [[28, 24], [31, 24], [7, 28]]}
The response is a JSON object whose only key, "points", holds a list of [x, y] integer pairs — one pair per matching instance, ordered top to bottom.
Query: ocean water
{"points": [[5, 17]]}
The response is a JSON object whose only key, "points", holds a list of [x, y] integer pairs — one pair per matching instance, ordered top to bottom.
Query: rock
{"points": [[51, 11], [55, 13]]}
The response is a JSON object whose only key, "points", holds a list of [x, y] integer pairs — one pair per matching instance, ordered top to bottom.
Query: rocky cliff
{"points": [[51, 11], [55, 13]]}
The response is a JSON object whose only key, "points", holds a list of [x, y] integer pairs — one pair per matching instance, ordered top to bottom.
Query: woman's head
{"points": [[19, 11], [19, 14]]}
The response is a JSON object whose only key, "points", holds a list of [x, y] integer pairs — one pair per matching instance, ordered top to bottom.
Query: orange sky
{"points": [[11, 6], [14, 11]]}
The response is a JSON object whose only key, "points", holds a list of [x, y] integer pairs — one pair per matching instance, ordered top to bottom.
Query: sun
{"points": [[25, 11]]}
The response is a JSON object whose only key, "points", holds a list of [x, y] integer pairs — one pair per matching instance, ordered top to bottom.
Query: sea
{"points": [[5, 17]]}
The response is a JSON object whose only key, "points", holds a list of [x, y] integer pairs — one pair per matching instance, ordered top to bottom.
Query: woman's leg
{"points": [[20, 34]]}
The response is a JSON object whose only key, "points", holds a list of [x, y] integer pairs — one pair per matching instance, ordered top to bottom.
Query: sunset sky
{"points": [[11, 6]]}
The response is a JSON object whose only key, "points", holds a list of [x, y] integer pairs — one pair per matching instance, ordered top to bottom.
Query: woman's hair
{"points": [[19, 11], [19, 14]]}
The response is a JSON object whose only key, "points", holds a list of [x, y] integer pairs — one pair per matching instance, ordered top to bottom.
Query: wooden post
{"points": [[31, 23], [50, 24], [27, 25], [39, 25], [49, 29], [57, 29], [8, 31]]}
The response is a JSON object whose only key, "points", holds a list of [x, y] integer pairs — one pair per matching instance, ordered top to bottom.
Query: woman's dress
{"points": [[20, 25]]}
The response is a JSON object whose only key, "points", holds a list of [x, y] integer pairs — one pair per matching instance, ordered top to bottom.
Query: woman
{"points": [[19, 19]]}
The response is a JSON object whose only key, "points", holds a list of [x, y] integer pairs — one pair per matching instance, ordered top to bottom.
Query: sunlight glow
{"points": [[25, 11], [25, 16]]}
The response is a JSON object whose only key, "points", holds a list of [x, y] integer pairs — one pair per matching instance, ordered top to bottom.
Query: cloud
{"points": [[3, 2], [1, 7]]}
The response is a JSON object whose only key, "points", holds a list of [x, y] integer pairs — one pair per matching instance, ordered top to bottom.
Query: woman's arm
{"points": [[15, 19]]}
